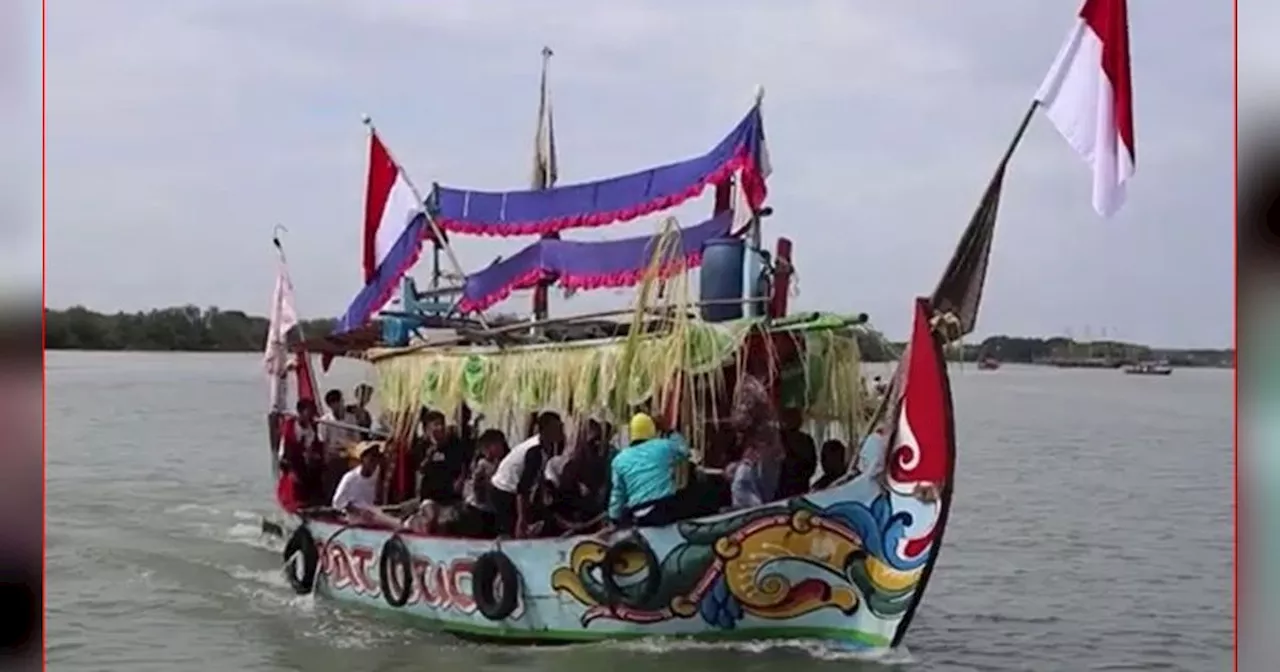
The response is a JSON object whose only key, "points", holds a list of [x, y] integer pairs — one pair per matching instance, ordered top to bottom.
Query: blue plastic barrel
{"points": [[720, 279], [395, 332]]}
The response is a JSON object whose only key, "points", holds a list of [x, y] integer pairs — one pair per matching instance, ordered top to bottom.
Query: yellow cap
{"points": [[642, 427]]}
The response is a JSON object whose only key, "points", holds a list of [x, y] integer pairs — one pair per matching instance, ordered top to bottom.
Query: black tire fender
{"points": [[301, 544], [615, 559], [396, 561], [490, 568]]}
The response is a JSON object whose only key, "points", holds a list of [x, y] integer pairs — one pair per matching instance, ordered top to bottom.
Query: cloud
{"points": [[180, 133]]}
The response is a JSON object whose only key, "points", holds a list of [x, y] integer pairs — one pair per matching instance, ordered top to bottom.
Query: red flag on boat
{"points": [[1089, 98], [305, 377], [921, 454]]}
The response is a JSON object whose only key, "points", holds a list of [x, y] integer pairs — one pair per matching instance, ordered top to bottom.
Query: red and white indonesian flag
{"points": [[1088, 97], [390, 205], [283, 318]]}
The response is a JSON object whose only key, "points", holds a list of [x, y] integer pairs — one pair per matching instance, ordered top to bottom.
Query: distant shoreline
{"points": [[195, 329]]}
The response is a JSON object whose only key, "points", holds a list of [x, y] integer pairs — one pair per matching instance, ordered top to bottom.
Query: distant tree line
{"points": [[188, 328], [191, 328], [1021, 350]]}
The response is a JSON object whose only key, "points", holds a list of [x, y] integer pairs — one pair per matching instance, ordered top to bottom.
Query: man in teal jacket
{"points": [[643, 486]]}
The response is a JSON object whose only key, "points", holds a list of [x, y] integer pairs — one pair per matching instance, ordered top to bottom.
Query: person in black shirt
{"points": [[800, 456], [443, 464], [833, 464], [311, 477], [575, 481]]}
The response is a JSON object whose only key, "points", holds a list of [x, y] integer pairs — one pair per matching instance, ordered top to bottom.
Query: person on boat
{"points": [[359, 411], [756, 423], [463, 433], [297, 434], [337, 440], [873, 453], [800, 456], [443, 464], [833, 464], [568, 470], [743, 474], [310, 476], [516, 480], [575, 482], [642, 482], [359, 486], [745, 487], [406, 488], [478, 512], [428, 518], [423, 519]]}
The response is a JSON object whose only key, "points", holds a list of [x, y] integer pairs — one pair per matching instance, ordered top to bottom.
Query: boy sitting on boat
{"points": [[358, 488], [478, 511]]}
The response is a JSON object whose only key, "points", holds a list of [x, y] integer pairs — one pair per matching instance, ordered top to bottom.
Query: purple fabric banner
{"points": [[616, 199], [586, 265], [375, 294]]}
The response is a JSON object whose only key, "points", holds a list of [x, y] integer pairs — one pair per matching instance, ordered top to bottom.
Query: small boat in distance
{"points": [[988, 364], [1149, 369]]}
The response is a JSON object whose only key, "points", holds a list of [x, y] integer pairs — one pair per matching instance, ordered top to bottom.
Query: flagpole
{"points": [[1017, 136], [543, 178], [441, 240], [755, 242], [284, 262], [279, 377], [892, 390]]}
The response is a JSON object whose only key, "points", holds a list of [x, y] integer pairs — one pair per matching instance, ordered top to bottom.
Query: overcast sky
{"points": [[181, 131]]}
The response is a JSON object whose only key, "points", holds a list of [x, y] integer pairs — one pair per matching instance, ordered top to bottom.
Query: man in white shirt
{"points": [[517, 477], [359, 487]]}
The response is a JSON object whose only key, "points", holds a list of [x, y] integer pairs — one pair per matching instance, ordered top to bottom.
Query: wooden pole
{"points": [[543, 178], [431, 221], [754, 263], [299, 334]]}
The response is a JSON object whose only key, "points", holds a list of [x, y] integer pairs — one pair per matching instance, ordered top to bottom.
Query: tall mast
{"points": [[545, 168]]}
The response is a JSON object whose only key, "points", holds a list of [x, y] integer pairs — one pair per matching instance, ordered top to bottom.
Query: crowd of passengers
{"points": [[471, 483]]}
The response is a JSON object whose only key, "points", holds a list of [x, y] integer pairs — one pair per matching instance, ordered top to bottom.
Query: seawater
{"points": [[1092, 529]]}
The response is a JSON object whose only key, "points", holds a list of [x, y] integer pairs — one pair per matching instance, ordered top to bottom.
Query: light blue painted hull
{"points": [[846, 565]]}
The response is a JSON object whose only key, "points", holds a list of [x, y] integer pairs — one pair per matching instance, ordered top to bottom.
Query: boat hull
{"points": [[829, 566]]}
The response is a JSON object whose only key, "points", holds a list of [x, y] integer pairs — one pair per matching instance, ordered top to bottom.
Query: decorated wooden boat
{"points": [[848, 564]]}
